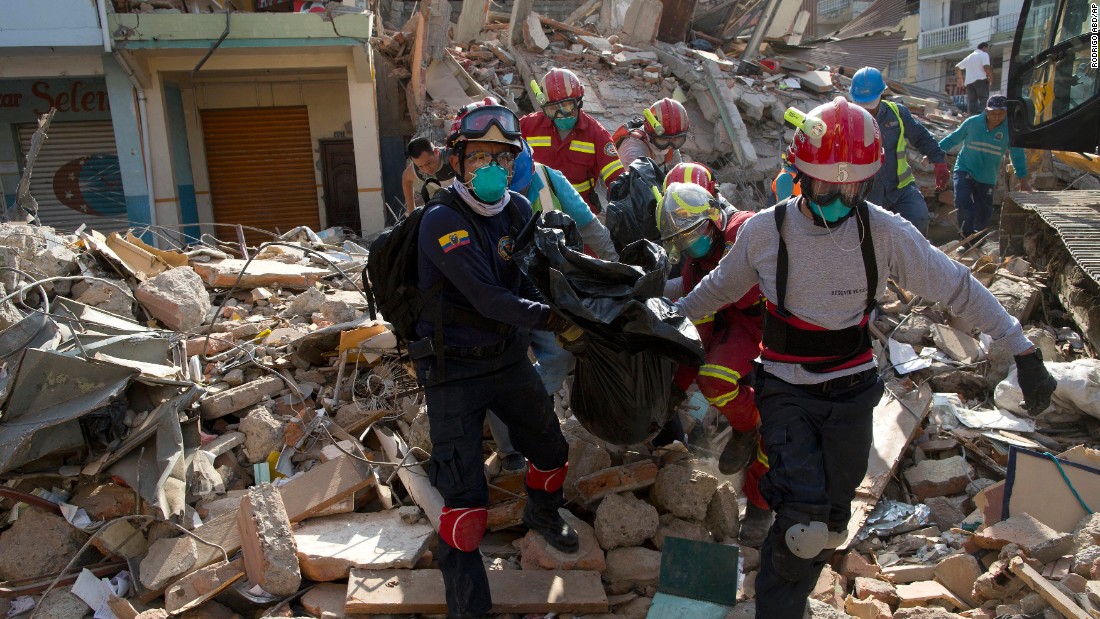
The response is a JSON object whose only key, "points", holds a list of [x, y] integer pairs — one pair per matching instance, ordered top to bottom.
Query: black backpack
{"points": [[392, 276]]}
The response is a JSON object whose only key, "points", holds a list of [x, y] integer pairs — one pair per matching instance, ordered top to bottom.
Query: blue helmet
{"points": [[867, 85], [523, 171]]}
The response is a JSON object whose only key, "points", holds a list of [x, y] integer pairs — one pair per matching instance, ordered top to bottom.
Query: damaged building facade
{"points": [[187, 120]]}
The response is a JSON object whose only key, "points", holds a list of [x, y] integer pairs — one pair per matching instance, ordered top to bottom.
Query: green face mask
{"points": [[566, 124], [490, 183], [832, 212], [699, 247]]}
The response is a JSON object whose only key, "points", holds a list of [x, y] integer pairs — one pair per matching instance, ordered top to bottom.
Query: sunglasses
{"points": [[566, 108], [477, 122], [670, 141], [480, 159], [851, 194]]}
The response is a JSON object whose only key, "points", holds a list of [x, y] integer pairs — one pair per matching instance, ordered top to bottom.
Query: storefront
{"points": [[76, 178]]}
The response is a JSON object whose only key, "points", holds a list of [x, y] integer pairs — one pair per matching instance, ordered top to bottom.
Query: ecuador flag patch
{"points": [[454, 240]]}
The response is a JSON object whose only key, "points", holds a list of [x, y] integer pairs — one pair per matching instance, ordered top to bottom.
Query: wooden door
{"points": [[341, 188]]}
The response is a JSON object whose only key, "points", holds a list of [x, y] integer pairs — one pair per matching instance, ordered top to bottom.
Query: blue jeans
{"points": [[907, 202], [973, 203]]}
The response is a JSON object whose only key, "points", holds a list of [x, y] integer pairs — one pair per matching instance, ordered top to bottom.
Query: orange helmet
{"points": [[560, 84], [667, 118], [694, 173]]}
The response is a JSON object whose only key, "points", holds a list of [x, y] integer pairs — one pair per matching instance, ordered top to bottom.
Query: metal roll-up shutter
{"points": [[260, 163], [76, 178]]}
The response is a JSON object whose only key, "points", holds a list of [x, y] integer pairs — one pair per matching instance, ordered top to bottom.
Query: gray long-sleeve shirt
{"points": [[827, 285]]}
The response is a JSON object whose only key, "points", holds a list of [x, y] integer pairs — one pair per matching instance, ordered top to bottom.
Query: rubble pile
{"points": [[225, 431]]}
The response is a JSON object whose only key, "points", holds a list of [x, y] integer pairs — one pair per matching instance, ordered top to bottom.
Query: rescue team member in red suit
{"points": [[659, 136], [564, 137], [695, 226], [822, 260], [472, 355]]}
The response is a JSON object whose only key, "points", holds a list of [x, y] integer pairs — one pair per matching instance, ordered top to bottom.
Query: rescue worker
{"points": [[659, 135], [564, 137], [984, 140], [429, 169], [697, 174], [784, 185], [894, 186], [697, 228], [821, 260], [472, 354]]}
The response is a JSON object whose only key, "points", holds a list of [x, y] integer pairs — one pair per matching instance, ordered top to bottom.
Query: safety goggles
{"points": [[566, 108], [477, 122], [670, 141], [480, 159], [822, 192], [676, 243]]}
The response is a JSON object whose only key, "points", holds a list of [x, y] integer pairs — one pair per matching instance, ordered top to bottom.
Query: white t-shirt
{"points": [[974, 66]]}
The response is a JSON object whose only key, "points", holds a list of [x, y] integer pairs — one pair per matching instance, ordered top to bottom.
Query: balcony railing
{"points": [[951, 35]]}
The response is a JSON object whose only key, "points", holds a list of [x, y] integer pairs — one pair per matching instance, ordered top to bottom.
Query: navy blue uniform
{"points": [[483, 369]]}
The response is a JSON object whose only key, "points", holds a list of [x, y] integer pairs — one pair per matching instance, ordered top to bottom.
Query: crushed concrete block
{"points": [[534, 39], [176, 298], [1018, 298], [116, 300], [304, 304], [337, 312], [917, 330], [956, 344], [234, 378], [239, 398], [263, 434], [586, 455], [939, 477], [683, 491], [944, 512], [722, 514], [625, 520], [672, 526], [1087, 531], [121, 539], [1037, 540], [39, 543], [329, 547], [270, 552], [536, 554], [167, 558], [750, 558], [1083, 560], [854, 564], [631, 567], [958, 573], [901, 574], [1075, 582], [997, 583], [830, 588], [866, 588], [921, 593], [326, 600], [62, 604], [867, 609], [821, 610], [931, 612], [153, 613]]}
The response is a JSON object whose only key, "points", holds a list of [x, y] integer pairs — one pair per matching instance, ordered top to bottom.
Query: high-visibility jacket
{"points": [[899, 130], [585, 156]]}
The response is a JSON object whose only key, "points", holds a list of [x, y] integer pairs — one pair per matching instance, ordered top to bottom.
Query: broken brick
{"points": [[239, 398], [939, 477], [616, 479], [1037, 540], [328, 548], [270, 552], [855, 565], [958, 573], [830, 588], [866, 588], [921, 593], [867, 609]]}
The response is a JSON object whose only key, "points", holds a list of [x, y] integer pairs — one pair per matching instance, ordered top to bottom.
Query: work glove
{"points": [[943, 175], [566, 330], [1035, 382]]}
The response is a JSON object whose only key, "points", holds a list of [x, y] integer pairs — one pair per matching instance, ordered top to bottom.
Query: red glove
{"points": [[943, 175]]}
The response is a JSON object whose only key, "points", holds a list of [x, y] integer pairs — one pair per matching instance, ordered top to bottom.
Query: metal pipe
{"points": [[101, 5], [217, 44], [143, 126]]}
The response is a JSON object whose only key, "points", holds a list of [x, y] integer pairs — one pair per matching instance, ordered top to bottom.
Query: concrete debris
{"points": [[176, 298], [684, 491], [625, 520], [270, 552]]}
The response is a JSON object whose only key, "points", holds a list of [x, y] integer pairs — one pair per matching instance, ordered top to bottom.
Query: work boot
{"points": [[739, 451], [547, 522], [756, 525]]}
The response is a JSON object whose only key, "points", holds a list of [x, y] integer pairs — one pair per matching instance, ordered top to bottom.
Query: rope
{"points": [[1065, 478]]}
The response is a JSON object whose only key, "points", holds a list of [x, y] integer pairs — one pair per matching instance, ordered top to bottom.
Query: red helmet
{"points": [[560, 84], [670, 116], [839, 143], [694, 173]]}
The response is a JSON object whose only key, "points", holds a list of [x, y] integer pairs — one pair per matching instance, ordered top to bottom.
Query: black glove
{"points": [[565, 329], [1035, 381]]}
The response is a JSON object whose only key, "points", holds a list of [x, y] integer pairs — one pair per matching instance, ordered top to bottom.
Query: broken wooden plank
{"points": [[506, 514], [200, 586], [513, 591], [1049, 592]]}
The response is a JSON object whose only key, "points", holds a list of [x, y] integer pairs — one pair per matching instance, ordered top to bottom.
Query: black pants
{"points": [[977, 92], [509, 385], [817, 446]]}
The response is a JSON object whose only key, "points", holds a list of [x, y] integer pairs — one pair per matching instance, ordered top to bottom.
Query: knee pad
{"points": [[547, 481], [462, 528], [799, 539]]}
